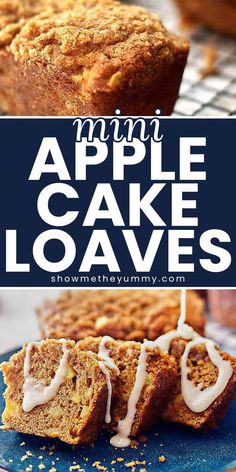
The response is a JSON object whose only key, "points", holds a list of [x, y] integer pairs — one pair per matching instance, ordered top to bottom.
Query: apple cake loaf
{"points": [[219, 15], [86, 57], [122, 314], [203, 375]]}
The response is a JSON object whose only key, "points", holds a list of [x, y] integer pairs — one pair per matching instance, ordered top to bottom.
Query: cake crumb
{"points": [[22, 444], [134, 444], [24, 458], [120, 459], [162, 459], [132, 464], [41, 466], [98, 466], [75, 467], [29, 468], [53, 470]]}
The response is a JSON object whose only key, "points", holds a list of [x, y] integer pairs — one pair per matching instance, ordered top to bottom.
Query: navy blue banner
{"points": [[117, 202]]}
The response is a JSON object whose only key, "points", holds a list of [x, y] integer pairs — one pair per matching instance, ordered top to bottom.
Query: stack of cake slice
{"points": [[77, 410]]}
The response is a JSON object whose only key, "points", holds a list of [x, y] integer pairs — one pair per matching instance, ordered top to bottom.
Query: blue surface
{"points": [[184, 449]]}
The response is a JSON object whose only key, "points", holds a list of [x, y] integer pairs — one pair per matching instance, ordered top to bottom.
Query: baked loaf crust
{"points": [[219, 15], [86, 58], [222, 305], [122, 314], [202, 371], [161, 375], [76, 414]]}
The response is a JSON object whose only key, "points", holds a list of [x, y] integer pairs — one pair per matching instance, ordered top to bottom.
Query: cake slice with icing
{"points": [[207, 376], [142, 388], [56, 390], [204, 391]]}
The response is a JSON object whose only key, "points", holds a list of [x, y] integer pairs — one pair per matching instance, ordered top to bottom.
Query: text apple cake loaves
{"points": [[56, 389]]}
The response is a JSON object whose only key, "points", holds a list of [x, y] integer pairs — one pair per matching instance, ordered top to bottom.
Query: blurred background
{"points": [[209, 83], [18, 321]]}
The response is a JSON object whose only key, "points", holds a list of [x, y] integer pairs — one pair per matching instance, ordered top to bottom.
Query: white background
{"points": [[18, 321]]}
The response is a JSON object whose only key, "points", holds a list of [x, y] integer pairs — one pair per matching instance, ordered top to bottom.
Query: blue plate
{"points": [[183, 448]]}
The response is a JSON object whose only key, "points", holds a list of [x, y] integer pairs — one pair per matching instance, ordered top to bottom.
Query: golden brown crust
{"points": [[217, 14], [97, 57], [122, 314], [201, 371], [160, 380], [76, 414]]}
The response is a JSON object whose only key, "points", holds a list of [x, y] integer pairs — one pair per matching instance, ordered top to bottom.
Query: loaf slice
{"points": [[219, 15], [89, 58], [122, 314], [202, 371], [159, 381], [76, 413]]}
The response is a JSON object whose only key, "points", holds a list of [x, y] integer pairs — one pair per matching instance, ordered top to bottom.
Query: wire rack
{"points": [[214, 95]]}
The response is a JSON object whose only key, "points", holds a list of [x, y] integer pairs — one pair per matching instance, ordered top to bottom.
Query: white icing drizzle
{"points": [[182, 316], [164, 341], [104, 353], [106, 364], [109, 390], [35, 393], [195, 398], [121, 439]]}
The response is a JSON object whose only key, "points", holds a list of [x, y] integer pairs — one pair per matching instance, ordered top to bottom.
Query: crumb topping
{"points": [[15, 13], [73, 40]]}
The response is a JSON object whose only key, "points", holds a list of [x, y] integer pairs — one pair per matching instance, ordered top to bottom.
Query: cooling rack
{"points": [[214, 95]]}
